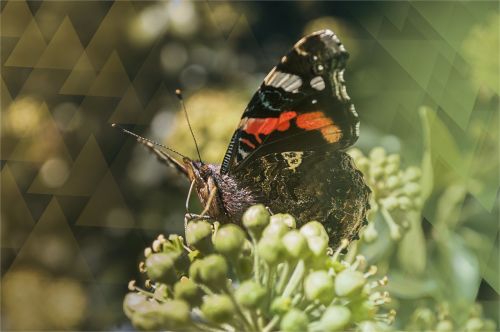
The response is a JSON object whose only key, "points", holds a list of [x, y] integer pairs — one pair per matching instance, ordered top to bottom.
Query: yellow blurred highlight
{"points": [[214, 116], [22, 117], [54, 172], [34, 300]]}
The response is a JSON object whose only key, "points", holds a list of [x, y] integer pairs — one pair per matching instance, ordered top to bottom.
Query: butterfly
{"points": [[288, 149]]}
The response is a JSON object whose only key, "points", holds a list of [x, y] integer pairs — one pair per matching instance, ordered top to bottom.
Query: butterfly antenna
{"points": [[178, 93], [128, 132]]}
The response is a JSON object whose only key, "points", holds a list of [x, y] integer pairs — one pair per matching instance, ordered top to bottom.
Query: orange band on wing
{"points": [[313, 120], [317, 120], [265, 126]]}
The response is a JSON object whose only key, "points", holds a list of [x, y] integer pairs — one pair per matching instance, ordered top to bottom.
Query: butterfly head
{"points": [[198, 172], [205, 178]]}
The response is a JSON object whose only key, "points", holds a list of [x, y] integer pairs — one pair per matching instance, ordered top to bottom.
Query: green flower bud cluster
{"points": [[396, 192], [265, 276], [440, 320]]}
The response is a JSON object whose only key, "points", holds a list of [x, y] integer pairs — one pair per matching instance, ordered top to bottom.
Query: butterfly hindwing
{"points": [[301, 105], [339, 200]]}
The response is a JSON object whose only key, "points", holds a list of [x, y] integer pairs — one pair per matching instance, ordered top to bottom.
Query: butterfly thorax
{"points": [[230, 199]]}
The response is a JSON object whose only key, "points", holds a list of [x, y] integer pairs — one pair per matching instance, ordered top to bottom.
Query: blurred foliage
{"points": [[479, 46], [79, 200]]}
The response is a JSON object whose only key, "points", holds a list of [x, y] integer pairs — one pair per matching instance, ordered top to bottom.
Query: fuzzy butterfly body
{"points": [[287, 152]]}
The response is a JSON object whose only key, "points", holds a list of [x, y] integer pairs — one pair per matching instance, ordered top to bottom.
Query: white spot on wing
{"points": [[270, 76], [288, 82], [318, 83], [243, 154]]}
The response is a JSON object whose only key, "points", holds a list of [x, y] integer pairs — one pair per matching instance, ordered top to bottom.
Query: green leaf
{"points": [[442, 152], [427, 179], [449, 205], [412, 251], [458, 269], [407, 286]]}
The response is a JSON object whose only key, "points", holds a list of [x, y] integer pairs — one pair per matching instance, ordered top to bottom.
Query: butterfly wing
{"points": [[302, 105]]}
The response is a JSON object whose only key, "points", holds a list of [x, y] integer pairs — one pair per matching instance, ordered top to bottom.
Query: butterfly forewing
{"points": [[302, 105]]}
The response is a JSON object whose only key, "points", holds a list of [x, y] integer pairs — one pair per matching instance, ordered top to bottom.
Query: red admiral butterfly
{"points": [[287, 152]]}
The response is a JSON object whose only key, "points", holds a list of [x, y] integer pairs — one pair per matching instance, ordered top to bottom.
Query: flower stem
{"points": [[393, 227], [256, 264], [285, 275], [295, 279], [239, 311], [271, 324]]}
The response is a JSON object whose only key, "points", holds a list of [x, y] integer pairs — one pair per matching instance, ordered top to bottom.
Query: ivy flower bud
{"points": [[355, 154], [378, 155], [394, 159], [363, 165], [391, 169], [376, 172], [412, 174], [392, 182], [412, 189], [390, 203], [404, 203], [284, 218], [255, 219], [314, 228], [275, 230], [199, 234], [370, 234], [229, 240], [295, 244], [317, 245], [270, 250], [181, 261], [160, 267], [244, 267], [195, 270], [213, 271], [349, 282], [319, 286], [188, 291], [160, 292], [250, 294], [132, 302], [281, 305], [217, 308], [362, 309], [175, 313], [146, 317], [335, 318], [294, 321], [474, 324], [489, 325], [371, 326], [444, 326]]}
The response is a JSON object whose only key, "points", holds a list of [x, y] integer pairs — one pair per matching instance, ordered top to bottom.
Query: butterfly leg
{"points": [[209, 201], [269, 210], [203, 215]]}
